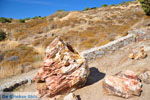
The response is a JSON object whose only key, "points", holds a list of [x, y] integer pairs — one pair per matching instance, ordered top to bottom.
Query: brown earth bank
{"points": [[109, 65]]}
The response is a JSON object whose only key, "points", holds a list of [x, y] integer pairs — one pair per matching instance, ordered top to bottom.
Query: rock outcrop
{"points": [[63, 70], [124, 84]]}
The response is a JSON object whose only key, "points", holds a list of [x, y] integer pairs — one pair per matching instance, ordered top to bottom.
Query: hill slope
{"points": [[83, 29], [24, 48]]}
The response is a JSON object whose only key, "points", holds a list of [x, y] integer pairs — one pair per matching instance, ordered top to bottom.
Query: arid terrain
{"points": [[23, 49], [22, 52]]}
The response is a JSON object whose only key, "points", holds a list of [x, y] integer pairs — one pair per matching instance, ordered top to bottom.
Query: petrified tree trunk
{"points": [[63, 69], [124, 84]]}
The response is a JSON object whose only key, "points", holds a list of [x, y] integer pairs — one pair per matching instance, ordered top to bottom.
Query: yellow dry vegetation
{"points": [[26, 57]]}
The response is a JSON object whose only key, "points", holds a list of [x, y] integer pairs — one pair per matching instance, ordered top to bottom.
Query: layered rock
{"points": [[63, 70], [124, 84]]}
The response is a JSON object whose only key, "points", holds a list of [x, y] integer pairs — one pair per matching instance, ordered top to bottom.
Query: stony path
{"points": [[12, 82]]}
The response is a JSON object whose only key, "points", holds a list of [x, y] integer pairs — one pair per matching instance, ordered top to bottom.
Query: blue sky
{"points": [[30, 8]]}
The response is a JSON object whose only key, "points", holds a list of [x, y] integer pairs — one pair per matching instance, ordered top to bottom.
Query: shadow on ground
{"points": [[94, 76]]}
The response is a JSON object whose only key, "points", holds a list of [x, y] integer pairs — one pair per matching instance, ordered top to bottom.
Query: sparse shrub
{"points": [[104, 5], [146, 6], [93, 7], [89, 8], [86, 9], [5, 20], [22, 20], [2, 35]]}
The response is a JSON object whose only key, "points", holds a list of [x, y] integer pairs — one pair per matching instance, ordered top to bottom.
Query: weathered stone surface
{"points": [[140, 54], [63, 69], [145, 77], [124, 84], [71, 96]]}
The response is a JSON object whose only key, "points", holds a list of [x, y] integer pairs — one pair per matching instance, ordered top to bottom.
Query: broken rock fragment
{"points": [[140, 54], [64, 69], [145, 77], [124, 84]]}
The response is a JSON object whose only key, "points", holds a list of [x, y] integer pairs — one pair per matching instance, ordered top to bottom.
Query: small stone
{"points": [[140, 54], [131, 56], [124, 84], [71, 96]]}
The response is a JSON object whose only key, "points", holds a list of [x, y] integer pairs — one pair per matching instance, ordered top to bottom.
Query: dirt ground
{"points": [[108, 65]]}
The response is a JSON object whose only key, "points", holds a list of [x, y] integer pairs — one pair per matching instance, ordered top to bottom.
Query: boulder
{"points": [[63, 70], [124, 84]]}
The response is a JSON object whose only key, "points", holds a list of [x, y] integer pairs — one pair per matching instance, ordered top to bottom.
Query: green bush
{"points": [[104, 5], [146, 6], [93, 7], [89, 8], [86, 9], [5, 20], [22, 20], [2, 35]]}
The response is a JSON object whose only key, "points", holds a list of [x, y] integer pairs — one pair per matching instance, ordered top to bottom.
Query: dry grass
{"points": [[43, 42], [8, 45], [27, 56]]}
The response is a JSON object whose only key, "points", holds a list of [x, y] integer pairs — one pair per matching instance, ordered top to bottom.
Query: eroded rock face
{"points": [[63, 70], [124, 84]]}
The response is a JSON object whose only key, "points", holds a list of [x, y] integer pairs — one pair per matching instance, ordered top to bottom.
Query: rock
{"points": [[140, 54], [1, 57], [12, 58], [63, 69], [145, 77], [124, 84], [71, 96]]}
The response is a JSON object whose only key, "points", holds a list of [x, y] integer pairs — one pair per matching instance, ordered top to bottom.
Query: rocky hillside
{"points": [[83, 29], [24, 47]]}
